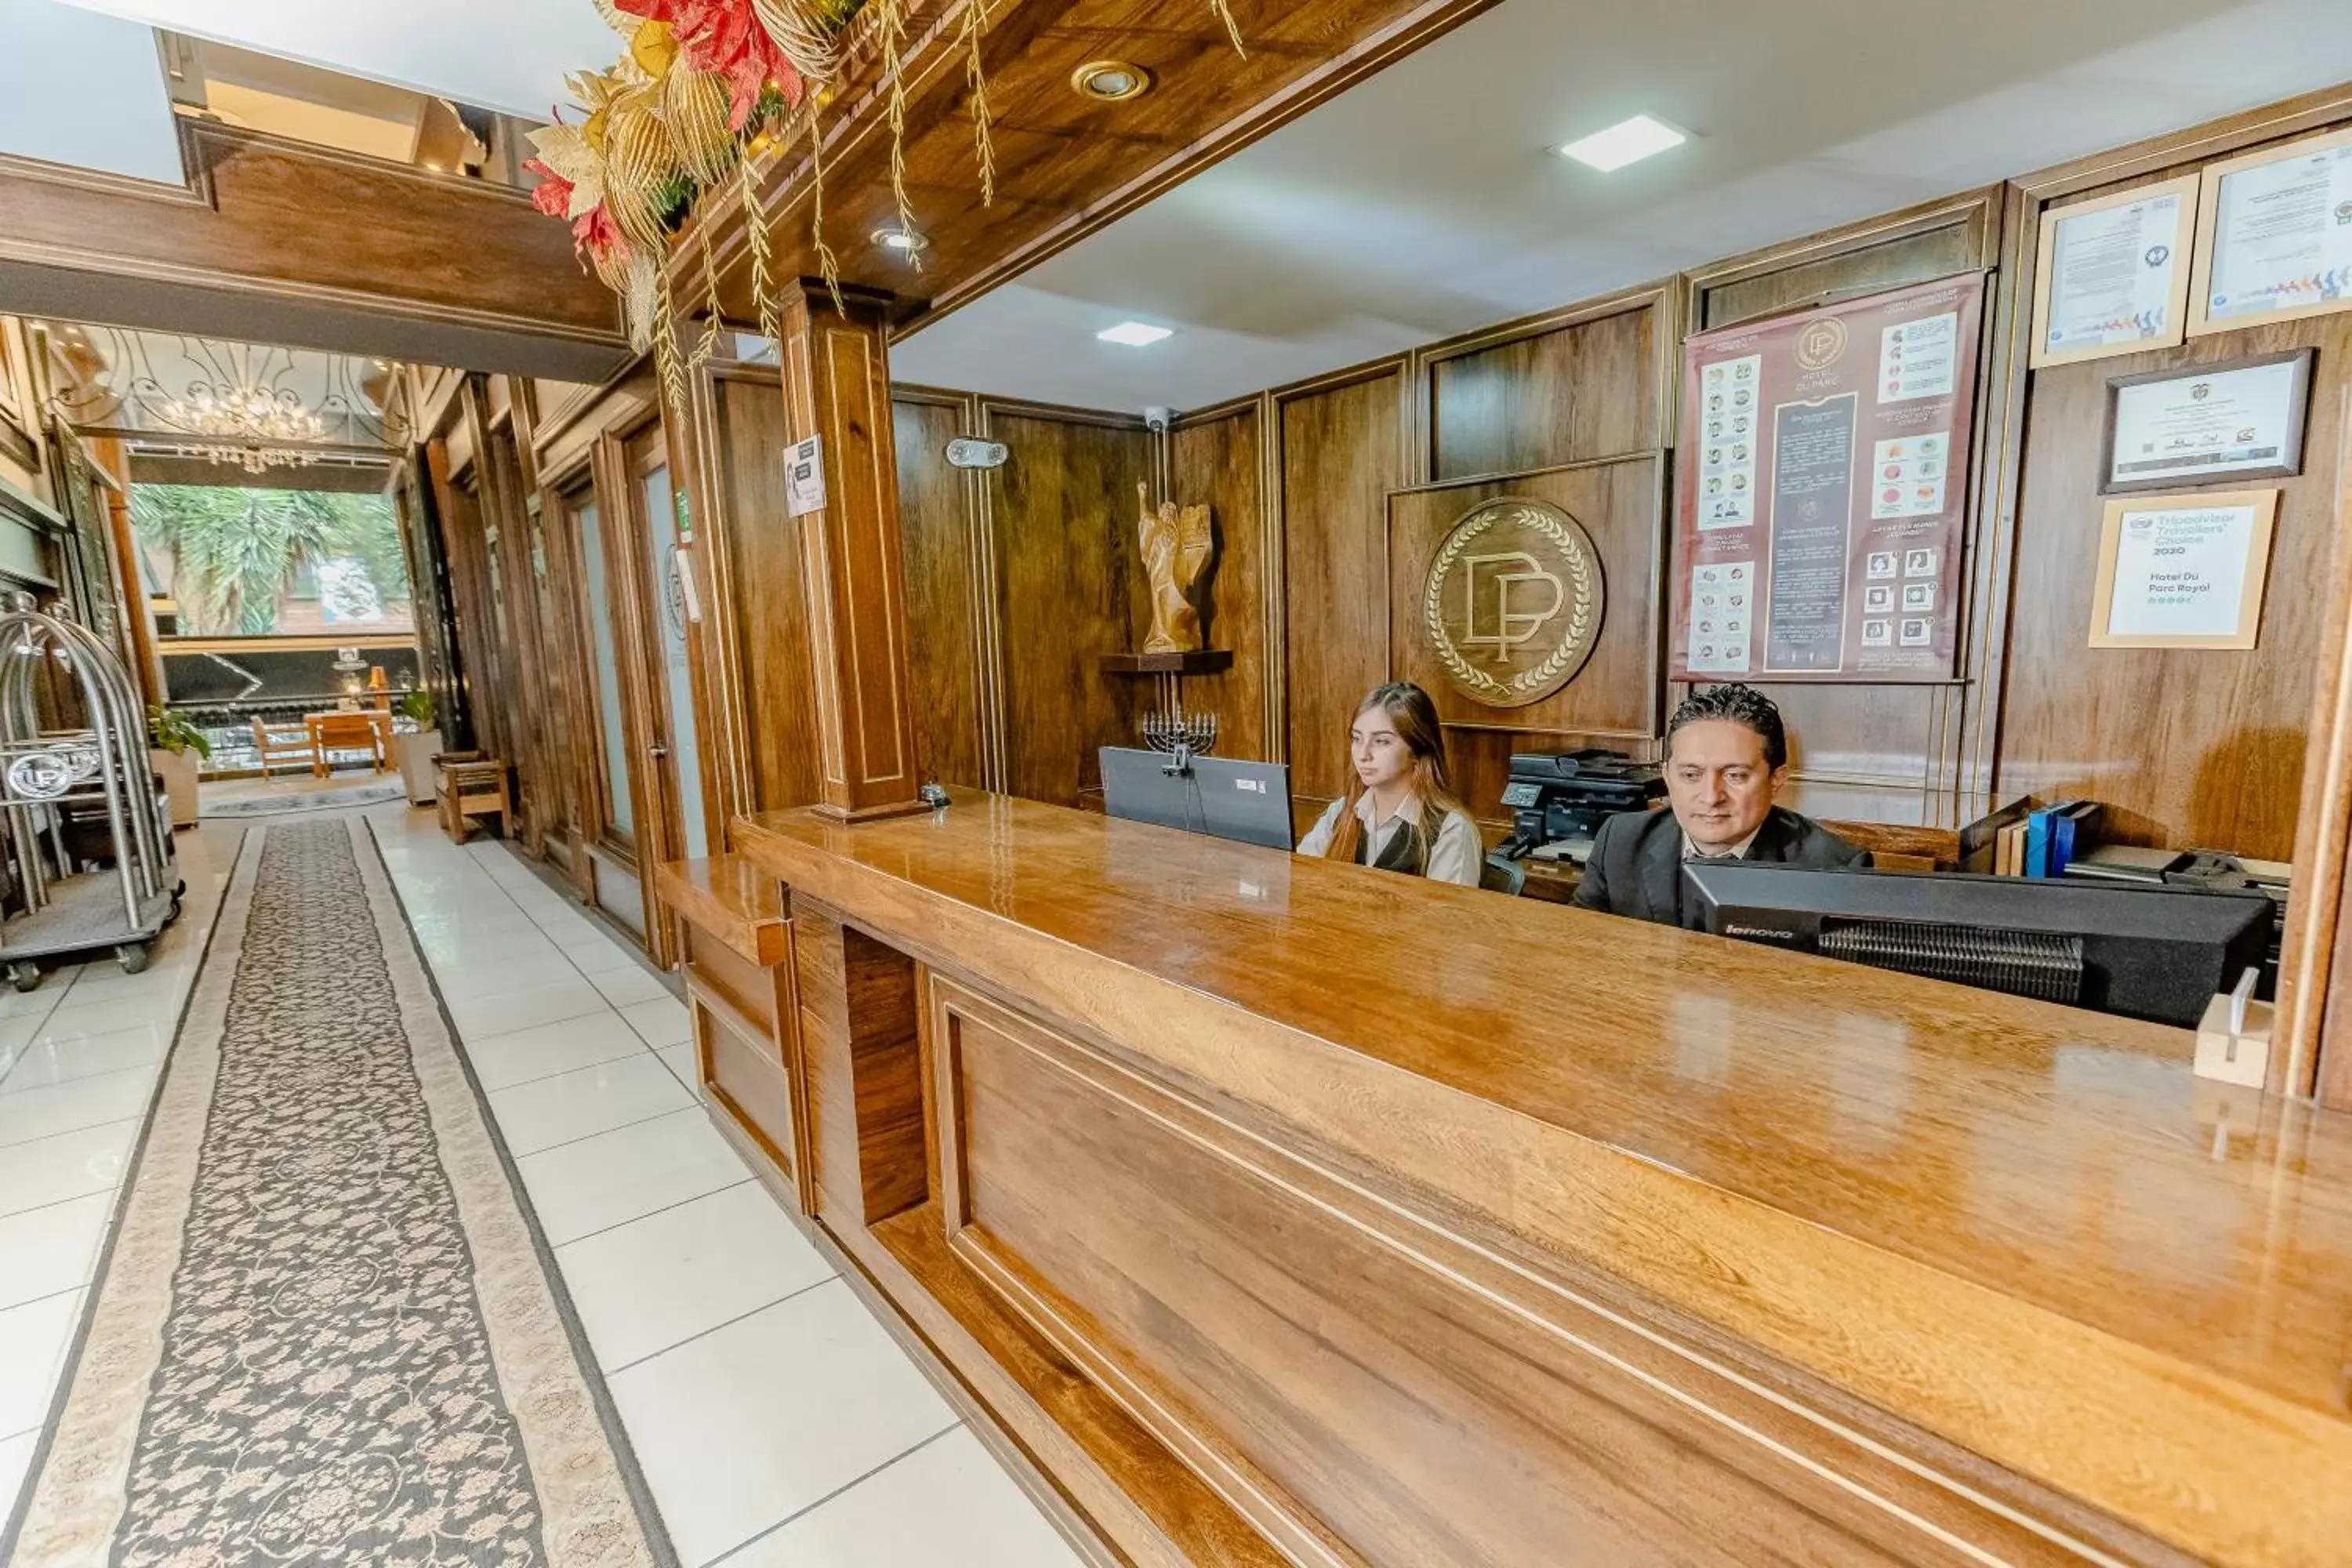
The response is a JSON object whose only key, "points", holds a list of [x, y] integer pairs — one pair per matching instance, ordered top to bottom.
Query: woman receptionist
{"points": [[1400, 814]]}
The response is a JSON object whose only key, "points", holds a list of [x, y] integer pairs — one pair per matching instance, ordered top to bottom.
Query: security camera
{"points": [[1158, 416]]}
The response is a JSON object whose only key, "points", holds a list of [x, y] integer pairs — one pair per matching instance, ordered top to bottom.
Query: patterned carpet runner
{"points": [[326, 1333]]}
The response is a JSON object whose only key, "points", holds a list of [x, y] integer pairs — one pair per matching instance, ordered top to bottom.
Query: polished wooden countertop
{"points": [[727, 897], [2027, 1228]]}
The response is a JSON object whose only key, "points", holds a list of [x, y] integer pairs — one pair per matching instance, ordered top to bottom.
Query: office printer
{"points": [[1559, 799]]}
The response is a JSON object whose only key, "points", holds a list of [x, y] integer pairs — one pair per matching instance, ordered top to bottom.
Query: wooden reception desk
{"points": [[1282, 1212]]}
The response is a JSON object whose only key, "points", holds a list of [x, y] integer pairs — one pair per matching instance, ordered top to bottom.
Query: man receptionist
{"points": [[1727, 757]]}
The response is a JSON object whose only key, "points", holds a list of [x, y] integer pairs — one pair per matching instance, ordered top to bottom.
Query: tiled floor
{"points": [[78, 1058], [775, 1420]]}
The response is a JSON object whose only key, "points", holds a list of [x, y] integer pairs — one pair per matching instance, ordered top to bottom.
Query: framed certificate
{"points": [[2273, 237], [2111, 276], [2237, 419], [2183, 570]]}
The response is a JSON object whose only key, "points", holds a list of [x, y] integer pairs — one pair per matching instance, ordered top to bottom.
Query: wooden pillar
{"points": [[837, 379], [138, 610], [2310, 1047]]}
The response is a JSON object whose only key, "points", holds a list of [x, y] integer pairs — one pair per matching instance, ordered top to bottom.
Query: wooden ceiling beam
{"points": [[1066, 165], [283, 242]]}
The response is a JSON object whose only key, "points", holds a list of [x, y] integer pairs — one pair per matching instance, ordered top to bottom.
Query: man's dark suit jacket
{"points": [[1636, 868]]}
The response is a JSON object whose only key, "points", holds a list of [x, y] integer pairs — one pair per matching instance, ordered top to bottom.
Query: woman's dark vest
{"points": [[1404, 852]]}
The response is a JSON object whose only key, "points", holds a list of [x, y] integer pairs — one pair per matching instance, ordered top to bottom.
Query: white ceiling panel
{"points": [[509, 55], [86, 90], [1427, 201]]}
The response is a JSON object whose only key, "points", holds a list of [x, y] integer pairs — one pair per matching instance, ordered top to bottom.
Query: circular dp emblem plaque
{"points": [[1512, 603]]}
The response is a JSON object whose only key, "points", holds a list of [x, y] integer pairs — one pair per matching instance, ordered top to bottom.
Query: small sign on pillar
{"points": [[804, 477]]}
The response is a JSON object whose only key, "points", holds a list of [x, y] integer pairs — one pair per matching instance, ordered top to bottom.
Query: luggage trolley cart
{"points": [[87, 843]]}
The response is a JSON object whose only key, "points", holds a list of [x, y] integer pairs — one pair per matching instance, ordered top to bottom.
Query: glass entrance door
{"points": [[619, 890]]}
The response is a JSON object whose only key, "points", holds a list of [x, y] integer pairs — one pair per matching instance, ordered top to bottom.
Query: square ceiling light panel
{"points": [[1627, 142], [1135, 334]]}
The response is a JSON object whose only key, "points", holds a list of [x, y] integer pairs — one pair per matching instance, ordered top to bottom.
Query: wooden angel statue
{"points": [[1176, 550]]}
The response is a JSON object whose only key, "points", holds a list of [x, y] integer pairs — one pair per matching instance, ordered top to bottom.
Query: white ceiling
{"points": [[510, 55], [85, 89], [1426, 201]]}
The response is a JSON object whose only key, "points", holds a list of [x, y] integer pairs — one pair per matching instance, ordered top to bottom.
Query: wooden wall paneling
{"points": [[2028, 196], [1564, 387], [562, 437], [1343, 445], [1215, 458], [1061, 518], [461, 522], [426, 550], [759, 594], [1274, 596], [516, 618], [958, 696], [1613, 700], [570, 724], [2188, 748], [1878, 751], [2190, 752], [860, 1042], [1353, 1389]]}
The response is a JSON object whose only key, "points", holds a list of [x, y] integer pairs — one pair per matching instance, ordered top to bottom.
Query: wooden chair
{"points": [[344, 732], [281, 744], [471, 785]]}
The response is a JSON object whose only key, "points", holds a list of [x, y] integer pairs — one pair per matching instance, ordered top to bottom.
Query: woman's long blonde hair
{"points": [[1414, 717]]}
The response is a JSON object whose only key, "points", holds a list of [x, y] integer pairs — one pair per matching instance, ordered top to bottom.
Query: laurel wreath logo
{"points": [[1583, 614]]}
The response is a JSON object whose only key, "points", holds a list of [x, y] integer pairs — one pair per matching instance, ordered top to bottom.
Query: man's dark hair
{"points": [[1742, 705]]}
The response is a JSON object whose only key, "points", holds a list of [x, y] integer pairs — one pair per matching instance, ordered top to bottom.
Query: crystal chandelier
{"points": [[254, 426]]}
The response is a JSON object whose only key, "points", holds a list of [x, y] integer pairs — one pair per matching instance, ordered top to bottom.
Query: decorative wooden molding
{"points": [[2213, 139], [1980, 210], [342, 242], [837, 388], [2313, 1057]]}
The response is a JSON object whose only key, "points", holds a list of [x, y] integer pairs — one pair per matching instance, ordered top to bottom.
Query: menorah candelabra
{"points": [[1168, 729]]}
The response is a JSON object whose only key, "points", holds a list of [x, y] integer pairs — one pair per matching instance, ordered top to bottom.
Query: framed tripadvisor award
{"points": [[2275, 236], [1823, 479], [2183, 570]]}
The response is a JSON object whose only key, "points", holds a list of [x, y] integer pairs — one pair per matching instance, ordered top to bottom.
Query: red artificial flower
{"points": [[725, 39], [552, 195], [596, 236]]}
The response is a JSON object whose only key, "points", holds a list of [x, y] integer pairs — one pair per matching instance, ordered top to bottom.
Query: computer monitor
{"points": [[1145, 787], [1245, 801], [1249, 802], [2159, 953]]}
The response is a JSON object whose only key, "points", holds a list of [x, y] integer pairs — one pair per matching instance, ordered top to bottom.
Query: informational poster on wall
{"points": [[1823, 487]]}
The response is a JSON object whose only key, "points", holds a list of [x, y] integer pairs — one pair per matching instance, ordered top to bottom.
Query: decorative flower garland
{"points": [[701, 87]]}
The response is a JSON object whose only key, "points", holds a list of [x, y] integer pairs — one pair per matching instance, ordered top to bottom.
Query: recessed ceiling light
{"points": [[1111, 81], [1627, 142], [906, 241], [1134, 335]]}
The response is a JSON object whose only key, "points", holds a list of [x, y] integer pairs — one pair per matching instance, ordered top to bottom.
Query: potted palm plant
{"points": [[416, 749], [177, 751]]}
